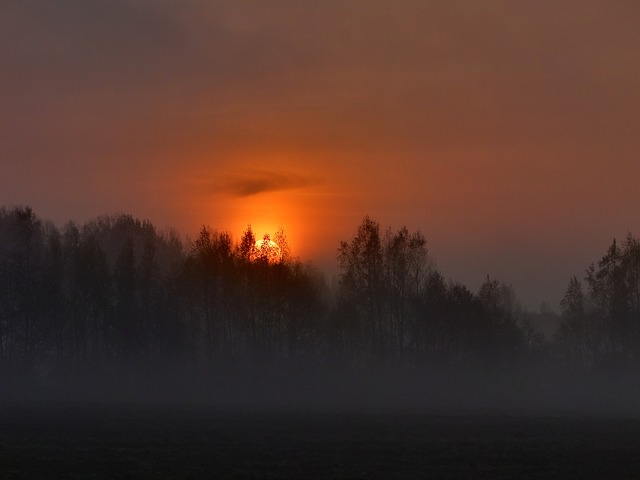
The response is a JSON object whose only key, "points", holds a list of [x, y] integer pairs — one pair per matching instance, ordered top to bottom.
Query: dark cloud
{"points": [[248, 184]]}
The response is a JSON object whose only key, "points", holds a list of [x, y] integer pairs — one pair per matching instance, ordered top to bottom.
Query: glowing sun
{"points": [[267, 248]]}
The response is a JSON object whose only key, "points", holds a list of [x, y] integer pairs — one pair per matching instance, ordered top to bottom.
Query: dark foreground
{"points": [[119, 442]]}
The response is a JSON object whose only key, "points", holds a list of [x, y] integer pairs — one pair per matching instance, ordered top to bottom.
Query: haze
{"points": [[505, 131]]}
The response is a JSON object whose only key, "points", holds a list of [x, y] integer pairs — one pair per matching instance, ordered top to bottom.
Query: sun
{"points": [[267, 245], [254, 248], [267, 249]]}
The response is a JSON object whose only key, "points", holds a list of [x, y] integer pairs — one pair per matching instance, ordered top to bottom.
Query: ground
{"points": [[164, 442]]}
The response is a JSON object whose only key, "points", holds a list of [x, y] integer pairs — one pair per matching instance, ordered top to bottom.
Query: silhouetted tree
{"points": [[283, 246], [21, 264], [407, 269], [362, 281], [387, 292], [609, 297], [126, 324], [602, 329], [576, 335], [500, 337]]}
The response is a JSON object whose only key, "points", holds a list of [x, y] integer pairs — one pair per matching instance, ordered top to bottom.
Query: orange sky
{"points": [[505, 131]]}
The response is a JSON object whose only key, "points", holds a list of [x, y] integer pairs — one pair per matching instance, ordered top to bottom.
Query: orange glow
{"points": [[484, 147], [281, 189], [291, 207], [265, 215]]}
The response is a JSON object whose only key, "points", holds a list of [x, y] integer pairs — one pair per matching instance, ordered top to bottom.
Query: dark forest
{"points": [[113, 309]]}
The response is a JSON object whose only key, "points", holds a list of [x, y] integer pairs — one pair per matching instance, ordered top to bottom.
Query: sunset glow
{"points": [[483, 126], [264, 218]]}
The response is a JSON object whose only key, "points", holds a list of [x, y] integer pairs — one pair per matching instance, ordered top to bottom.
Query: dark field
{"points": [[109, 442]]}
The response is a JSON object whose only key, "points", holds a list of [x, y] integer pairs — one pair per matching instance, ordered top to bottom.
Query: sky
{"points": [[506, 132]]}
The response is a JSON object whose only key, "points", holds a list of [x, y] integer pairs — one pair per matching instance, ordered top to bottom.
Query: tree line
{"points": [[114, 297], [600, 326]]}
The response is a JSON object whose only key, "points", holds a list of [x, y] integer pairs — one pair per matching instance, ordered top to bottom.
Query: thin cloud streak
{"points": [[255, 183]]}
